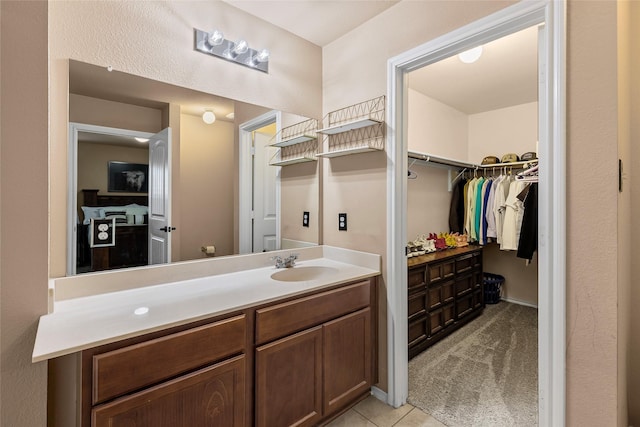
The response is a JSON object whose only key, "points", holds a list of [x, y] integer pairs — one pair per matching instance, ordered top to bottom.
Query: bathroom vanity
{"points": [[249, 345]]}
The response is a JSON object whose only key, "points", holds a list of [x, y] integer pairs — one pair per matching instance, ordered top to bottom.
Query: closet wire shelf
{"points": [[297, 133]]}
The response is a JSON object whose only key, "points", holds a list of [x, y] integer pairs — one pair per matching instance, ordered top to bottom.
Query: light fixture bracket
{"points": [[225, 50]]}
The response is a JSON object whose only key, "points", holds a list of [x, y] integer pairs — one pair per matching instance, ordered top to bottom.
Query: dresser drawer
{"points": [[464, 263], [440, 271], [415, 277], [417, 305], [287, 318], [131, 368]]}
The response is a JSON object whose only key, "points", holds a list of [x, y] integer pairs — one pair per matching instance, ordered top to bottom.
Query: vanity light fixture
{"points": [[214, 43], [470, 56], [208, 117]]}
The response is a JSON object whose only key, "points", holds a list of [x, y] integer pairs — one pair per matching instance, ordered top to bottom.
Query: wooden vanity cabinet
{"points": [[444, 293], [296, 361], [193, 377], [304, 377]]}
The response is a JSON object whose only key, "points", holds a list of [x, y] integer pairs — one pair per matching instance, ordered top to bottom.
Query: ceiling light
{"points": [[213, 43], [471, 55], [208, 117], [141, 140]]}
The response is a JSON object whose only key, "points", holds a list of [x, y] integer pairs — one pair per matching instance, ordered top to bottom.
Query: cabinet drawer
{"points": [[464, 263], [440, 271], [415, 277], [464, 285], [440, 294], [417, 304], [464, 306], [287, 318], [418, 331], [131, 368], [211, 396]]}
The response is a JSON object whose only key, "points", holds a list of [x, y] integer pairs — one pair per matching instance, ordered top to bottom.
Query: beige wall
{"points": [[100, 112], [436, 128], [506, 130], [93, 164], [206, 172], [632, 181], [300, 188], [23, 200], [592, 279]]}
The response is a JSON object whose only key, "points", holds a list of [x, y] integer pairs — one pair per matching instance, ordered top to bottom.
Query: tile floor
{"points": [[373, 413]]}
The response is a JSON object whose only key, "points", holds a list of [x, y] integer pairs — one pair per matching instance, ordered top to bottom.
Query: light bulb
{"points": [[215, 38], [241, 47], [471, 55], [262, 56], [208, 117]]}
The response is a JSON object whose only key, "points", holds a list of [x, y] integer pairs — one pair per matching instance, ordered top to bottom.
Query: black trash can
{"points": [[492, 284]]}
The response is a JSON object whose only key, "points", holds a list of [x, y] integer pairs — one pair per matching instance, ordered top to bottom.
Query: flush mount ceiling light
{"points": [[214, 43], [471, 55], [208, 117]]}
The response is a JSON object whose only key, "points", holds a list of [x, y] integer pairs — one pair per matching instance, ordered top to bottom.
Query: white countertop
{"points": [[78, 323]]}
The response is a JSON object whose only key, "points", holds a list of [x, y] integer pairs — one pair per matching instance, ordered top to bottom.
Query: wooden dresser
{"points": [[445, 292]]}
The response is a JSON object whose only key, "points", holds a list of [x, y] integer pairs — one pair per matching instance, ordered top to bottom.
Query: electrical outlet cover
{"points": [[305, 219], [342, 222]]}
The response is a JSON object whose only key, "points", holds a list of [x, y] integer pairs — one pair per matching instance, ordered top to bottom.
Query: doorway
{"points": [[101, 190], [551, 200], [259, 203]]}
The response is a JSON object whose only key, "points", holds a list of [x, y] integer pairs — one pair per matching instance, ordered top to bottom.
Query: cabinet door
{"points": [[347, 359], [289, 380], [212, 396]]}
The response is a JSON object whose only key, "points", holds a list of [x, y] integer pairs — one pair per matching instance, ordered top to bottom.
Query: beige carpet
{"points": [[484, 374]]}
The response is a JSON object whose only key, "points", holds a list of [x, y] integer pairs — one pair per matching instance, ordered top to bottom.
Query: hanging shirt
{"points": [[485, 206], [499, 206], [457, 208], [471, 208], [478, 208], [490, 215], [512, 217], [528, 243]]}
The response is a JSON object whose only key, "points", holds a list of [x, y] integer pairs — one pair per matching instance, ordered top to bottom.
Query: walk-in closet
{"points": [[472, 229]]}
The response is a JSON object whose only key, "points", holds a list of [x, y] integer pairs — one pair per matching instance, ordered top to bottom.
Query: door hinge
{"points": [[253, 151]]}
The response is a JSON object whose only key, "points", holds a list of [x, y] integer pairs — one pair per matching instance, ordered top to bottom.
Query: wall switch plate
{"points": [[305, 219], [342, 222]]}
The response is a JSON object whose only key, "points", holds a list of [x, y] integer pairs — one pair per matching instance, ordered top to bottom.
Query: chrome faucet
{"points": [[287, 262]]}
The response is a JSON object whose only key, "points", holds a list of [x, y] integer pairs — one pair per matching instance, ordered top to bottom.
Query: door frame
{"points": [[245, 179], [72, 181], [552, 195]]}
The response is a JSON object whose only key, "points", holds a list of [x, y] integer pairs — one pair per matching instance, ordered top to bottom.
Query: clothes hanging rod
{"points": [[430, 158]]}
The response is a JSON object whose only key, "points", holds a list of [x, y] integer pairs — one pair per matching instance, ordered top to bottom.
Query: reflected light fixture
{"points": [[213, 43], [471, 55], [208, 117], [141, 140]]}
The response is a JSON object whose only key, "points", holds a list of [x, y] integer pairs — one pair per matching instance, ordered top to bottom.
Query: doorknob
{"points": [[167, 229]]}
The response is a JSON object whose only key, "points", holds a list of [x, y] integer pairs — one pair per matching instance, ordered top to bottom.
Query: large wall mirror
{"points": [[116, 119]]}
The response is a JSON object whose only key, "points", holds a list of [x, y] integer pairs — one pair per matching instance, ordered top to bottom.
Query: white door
{"points": [[264, 195], [160, 197]]}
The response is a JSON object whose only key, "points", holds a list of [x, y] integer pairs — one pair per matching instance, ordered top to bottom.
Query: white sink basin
{"points": [[303, 274]]}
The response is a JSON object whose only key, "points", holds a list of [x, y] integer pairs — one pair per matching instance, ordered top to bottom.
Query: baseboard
{"points": [[519, 302], [379, 394]]}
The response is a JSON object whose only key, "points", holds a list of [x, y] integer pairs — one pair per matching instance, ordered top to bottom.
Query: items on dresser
{"points": [[445, 292]]}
